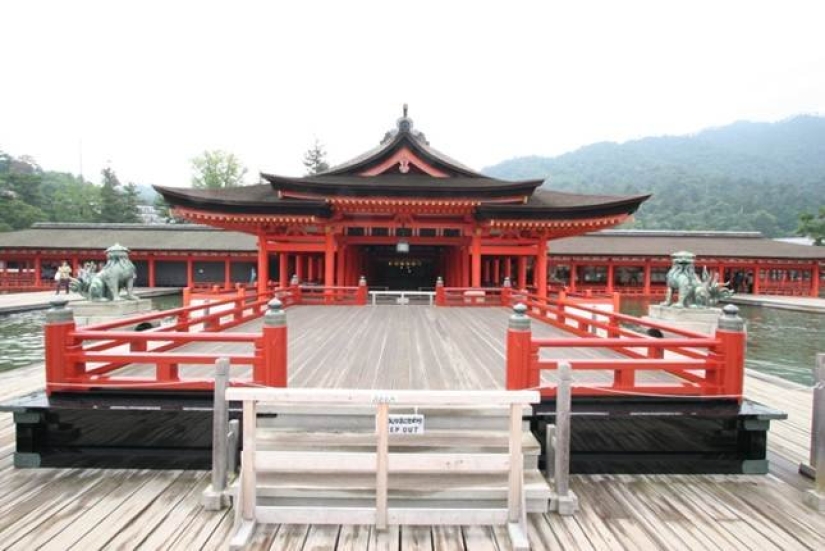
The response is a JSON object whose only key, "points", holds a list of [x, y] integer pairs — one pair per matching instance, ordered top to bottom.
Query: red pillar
{"points": [[475, 253], [329, 258], [150, 263], [341, 264], [263, 265], [299, 267], [508, 267], [541, 267], [310, 268], [465, 268], [37, 269], [648, 269], [283, 270], [485, 270], [496, 272], [522, 272], [611, 272], [190, 273], [227, 274], [574, 276], [756, 276], [815, 279], [518, 352]]}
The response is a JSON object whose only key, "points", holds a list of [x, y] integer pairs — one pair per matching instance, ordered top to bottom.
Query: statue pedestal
{"points": [[87, 312], [700, 320]]}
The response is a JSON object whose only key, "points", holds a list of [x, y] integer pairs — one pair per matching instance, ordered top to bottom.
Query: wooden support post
{"points": [[475, 255], [150, 261], [329, 264], [263, 265], [299, 266], [508, 267], [311, 268], [37, 270], [283, 270], [647, 271], [485, 272], [496, 272], [522, 272], [190, 273], [611, 273], [227, 274], [540, 274], [574, 276], [815, 276], [756, 280], [363, 292], [506, 292], [187, 296], [440, 298], [731, 334], [56, 335], [519, 335], [272, 370], [381, 465], [248, 482], [213, 497], [516, 498], [816, 498], [565, 501]]}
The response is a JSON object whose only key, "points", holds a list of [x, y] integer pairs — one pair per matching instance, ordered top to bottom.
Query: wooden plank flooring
{"points": [[416, 347], [141, 509]]}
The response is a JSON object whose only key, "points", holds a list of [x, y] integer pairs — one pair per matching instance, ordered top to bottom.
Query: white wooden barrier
{"points": [[382, 462]]}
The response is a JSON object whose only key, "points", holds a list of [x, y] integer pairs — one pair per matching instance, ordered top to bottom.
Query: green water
{"points": [[21, 335], [780, 342]]}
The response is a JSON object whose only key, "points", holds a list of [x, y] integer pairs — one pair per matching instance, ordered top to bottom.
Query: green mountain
{"points": [[744, 176]]}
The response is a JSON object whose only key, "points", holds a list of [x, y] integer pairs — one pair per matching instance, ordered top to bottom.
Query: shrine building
{"points": [[401, 215]]}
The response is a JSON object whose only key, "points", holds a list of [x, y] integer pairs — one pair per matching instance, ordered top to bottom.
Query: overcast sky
{"points": [[149, 85]]}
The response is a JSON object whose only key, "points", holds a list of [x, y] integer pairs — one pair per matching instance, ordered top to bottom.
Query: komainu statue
{"points": [[117, 275], [692, 291]]}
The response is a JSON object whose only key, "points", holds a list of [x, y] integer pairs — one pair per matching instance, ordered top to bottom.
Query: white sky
{"points": [[149, 85]]}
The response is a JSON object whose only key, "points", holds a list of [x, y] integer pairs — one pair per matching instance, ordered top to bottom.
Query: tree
{"points": [[315, 159], [217, 169], [116, 204], [813, 226]]}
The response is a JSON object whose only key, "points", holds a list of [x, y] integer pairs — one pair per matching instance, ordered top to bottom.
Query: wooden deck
{"points": [[414, 347], [130, 509]]}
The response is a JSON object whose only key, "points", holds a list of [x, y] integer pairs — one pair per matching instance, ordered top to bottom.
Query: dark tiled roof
{"points": [[408, 185], [257, 199], [546, 204], [138, 237], [190, 237], [664, 243]]}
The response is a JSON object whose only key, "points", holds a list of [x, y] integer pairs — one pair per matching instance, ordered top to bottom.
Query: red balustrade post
{"points": [[506, 289], [187, 296], [361, 298], [440, 298], [562, 304], [613, 321], [56, 334], [731, 335], [518, 348], [272, 370]]}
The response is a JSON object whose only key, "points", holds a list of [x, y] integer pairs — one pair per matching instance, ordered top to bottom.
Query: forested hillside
{"points": [[744, 176], [30, 194]]}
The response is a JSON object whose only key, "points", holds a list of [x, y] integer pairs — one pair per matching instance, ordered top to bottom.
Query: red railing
{"points": [[343, 296], [471, 296], [112, 355], [686, 363]]}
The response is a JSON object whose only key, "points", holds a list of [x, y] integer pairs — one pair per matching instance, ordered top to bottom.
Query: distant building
{"points": [[149, 215]]}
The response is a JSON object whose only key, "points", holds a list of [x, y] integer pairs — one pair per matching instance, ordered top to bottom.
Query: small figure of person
{"points": [[253, 276], [62, 277]]}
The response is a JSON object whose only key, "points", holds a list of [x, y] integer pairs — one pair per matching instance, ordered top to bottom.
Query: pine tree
{"points": [[315, 159], [110, 201]]}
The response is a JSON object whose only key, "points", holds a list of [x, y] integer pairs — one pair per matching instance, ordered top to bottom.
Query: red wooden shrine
{"points": [[401, 215]]}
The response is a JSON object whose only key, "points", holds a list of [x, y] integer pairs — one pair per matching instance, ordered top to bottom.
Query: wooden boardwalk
{"points": [[392, 347], [138, 509]]}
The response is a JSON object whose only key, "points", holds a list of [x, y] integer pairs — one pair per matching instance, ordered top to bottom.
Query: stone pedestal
{"points": [[88, 312], [700, 320]]}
